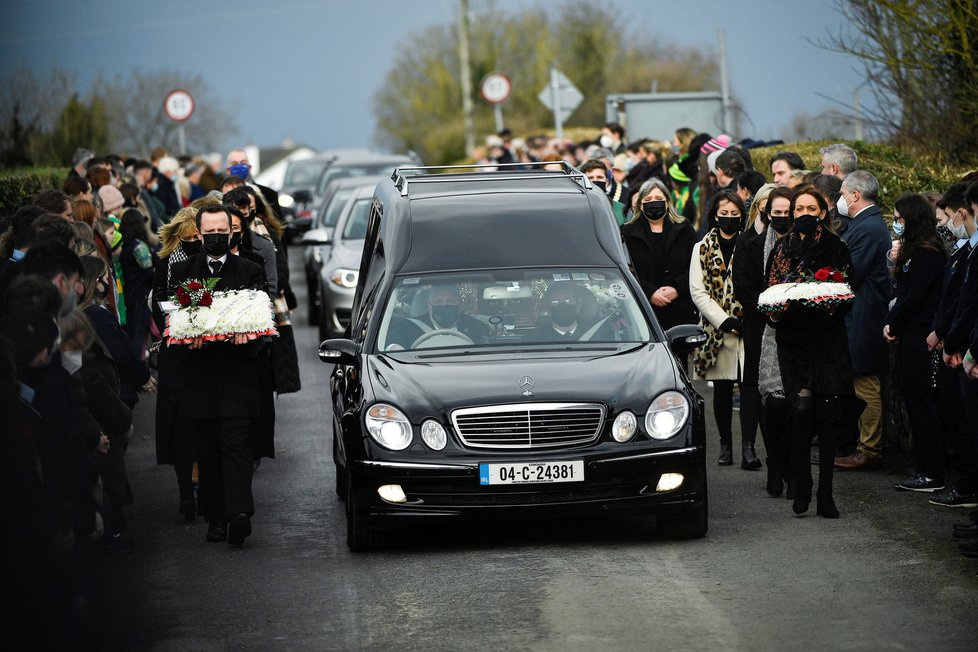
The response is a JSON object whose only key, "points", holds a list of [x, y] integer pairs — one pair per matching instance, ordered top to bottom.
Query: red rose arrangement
{"points": [[830, 274], [193, 293]]}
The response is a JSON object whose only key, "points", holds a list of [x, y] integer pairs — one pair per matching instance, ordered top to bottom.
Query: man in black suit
{"points": [[565, 321], [224, 396]]}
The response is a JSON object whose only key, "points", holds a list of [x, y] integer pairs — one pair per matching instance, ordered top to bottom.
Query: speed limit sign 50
{"points": [[496, 88], [179, 105]]}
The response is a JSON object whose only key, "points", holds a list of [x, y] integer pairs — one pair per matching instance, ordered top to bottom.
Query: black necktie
{"points": [[216, 267]]}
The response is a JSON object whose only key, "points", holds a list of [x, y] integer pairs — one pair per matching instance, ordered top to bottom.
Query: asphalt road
{"points": [[885, 576]]}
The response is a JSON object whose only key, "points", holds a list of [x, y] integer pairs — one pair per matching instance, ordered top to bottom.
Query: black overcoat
{"points": [[674, 271], [749, 281]]}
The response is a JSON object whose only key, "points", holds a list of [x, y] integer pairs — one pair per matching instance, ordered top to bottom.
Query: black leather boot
{"points": [[828, 410], [799, 445], [726, 455], [748, 458]]}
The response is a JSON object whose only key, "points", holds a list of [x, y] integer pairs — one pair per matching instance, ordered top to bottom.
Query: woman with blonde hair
{"points": [[660, 243]]}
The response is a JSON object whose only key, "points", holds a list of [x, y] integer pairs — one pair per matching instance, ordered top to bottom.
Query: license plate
{"points": [[531, 472]]}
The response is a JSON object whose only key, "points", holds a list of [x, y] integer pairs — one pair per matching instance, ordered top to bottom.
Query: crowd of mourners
{"points": [[707, 235], [87, 274]]}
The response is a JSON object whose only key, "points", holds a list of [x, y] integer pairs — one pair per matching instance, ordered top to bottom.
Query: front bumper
{"points": [[615, 483]]}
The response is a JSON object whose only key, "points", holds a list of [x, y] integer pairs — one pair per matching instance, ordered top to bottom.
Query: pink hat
{"points": [[716, 144], [111, 198]]}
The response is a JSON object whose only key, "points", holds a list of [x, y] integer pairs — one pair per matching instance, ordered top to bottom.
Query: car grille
{"points": [[535, 425]]}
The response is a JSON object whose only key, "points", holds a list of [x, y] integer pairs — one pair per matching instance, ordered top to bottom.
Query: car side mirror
{"points": [[302, 196], [317, 237], [685, 337], [339, 351]]}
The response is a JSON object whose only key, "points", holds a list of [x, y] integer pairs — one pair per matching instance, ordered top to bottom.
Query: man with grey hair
{"points": [[838, 160], [868, 239]]}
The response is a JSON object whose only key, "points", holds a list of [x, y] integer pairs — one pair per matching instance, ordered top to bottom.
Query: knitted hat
{"points": [[716, 144], [711, 160], [111, 198]]}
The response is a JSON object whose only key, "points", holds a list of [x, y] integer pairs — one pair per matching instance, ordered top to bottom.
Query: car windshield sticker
{"points": [[578, 276], [561, 277], [597, 277], [412, 281], [515, 287]]}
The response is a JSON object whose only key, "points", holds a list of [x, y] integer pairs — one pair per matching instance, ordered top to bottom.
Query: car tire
{"points": [[340, 473], [692, 525], [360, 536]]}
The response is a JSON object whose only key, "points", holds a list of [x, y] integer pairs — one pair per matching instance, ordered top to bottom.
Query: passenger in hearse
{"points": [[444, 312], [571, 315]]}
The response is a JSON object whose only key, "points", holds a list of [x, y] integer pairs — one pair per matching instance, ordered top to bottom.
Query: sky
{"points": [[308, 70]]}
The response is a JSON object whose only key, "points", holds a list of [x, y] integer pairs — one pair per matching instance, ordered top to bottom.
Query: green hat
{"points": [[677, 174]]}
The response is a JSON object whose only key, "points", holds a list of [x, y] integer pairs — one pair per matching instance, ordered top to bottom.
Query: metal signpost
{"points": [[496, 89], [561, 97], [178, 106]]}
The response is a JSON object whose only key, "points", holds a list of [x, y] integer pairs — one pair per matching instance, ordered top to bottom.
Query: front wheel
{"points": [[360, 536]]}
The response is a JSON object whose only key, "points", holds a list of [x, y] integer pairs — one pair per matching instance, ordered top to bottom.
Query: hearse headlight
{"points": [[667, 415], [388, 426], [624, 426], [433, 434]]}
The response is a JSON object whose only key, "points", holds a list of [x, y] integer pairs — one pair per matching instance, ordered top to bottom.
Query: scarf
{"points": [[175, 256], [790, 258], [719, 285], [769, 372]]}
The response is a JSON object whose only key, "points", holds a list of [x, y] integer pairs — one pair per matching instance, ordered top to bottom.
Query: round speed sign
{"points": [[496, 88], [179, 105]]}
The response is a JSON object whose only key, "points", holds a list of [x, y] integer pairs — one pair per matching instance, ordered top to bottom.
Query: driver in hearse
{"points": [[444, 312]]}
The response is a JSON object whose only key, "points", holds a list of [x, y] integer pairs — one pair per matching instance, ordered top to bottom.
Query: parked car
{"points": [[317, 242], [340, 268], [503, 362]]}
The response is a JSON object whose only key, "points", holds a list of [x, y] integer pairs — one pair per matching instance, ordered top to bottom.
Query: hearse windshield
{"points": [[496, 308]]}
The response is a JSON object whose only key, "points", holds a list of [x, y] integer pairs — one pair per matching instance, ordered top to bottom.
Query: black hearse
{"points": [[503, 362]]}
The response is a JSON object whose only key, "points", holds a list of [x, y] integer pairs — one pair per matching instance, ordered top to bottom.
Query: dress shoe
{"points": [[726, 455], [748, 458], [856, 461], [919, 482], [774, 487], [803, 497], [952, 498], [825, 506], [239, 527], [217, 531], [965, 531], [969, 549]]}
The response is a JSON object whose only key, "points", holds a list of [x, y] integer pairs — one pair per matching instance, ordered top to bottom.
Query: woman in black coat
{"points": [[660, 244], [919, 272], [813, 348]]}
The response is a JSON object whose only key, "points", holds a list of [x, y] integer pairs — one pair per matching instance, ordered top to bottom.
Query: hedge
{"points": [[897, 170], [19, 186]]}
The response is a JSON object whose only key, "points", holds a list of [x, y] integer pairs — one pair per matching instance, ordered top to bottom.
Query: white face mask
{"points": [[606, 141], [842, 206], [957, 230], [71, 361]]}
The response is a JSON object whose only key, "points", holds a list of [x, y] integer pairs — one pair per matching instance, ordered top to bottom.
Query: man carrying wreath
{"points": [[223, 399]]}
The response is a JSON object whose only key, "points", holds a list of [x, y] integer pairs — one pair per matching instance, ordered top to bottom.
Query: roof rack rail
{"points": [[401, 175]]}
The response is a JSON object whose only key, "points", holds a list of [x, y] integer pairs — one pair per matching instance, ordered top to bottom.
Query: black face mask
{"points": [[601, 185], [654, 210], [805, 223], [729, 225], [781, 225], [235, 240], [216, 244], [191, 248], [563, 314], [444, 316]]}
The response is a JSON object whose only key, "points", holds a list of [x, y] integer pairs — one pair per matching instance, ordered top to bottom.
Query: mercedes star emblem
{"points": [[526, 384]]}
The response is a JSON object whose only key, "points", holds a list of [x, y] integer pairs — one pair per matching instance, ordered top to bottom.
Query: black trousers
{"points": [[916, 369], [723, 411], [821, 413], [224, 462], [968, 480]]}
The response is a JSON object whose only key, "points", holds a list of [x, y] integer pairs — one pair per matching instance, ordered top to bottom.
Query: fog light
{"points": [[624, 426], [667, 481], [393, 493]]}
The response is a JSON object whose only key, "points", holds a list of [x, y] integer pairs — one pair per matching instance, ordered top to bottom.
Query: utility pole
{"points": [[466, 76], [724, 84], [857, 109]]}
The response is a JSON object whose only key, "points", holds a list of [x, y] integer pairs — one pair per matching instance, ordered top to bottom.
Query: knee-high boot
{"points": [[774, 429], [828, 435], [799, 449]]}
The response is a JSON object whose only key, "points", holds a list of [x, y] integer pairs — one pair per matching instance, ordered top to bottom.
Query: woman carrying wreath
{"points": [[813, 348]]}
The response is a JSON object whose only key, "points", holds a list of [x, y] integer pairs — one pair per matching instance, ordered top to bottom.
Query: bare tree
{"points": [[921, 61], [29, 109], [138, 122]]}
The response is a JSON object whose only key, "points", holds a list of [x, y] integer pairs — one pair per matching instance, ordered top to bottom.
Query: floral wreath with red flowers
{"points": [[830, 274], [825, 288], [194, 293]]}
